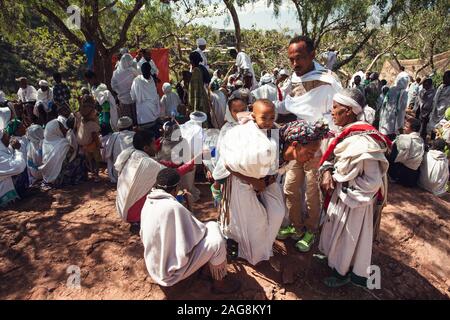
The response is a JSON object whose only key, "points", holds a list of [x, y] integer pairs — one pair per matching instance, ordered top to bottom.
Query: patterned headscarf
{"points": [[303, 132]]}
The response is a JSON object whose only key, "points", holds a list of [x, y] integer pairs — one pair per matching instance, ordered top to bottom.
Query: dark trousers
{"points": [[400, 173]]}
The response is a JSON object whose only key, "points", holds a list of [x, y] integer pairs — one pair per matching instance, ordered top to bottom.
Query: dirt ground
{"points": [[45, 234]]}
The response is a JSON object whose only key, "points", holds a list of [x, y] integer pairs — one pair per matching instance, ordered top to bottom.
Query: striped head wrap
{"points": [[303, 132]]}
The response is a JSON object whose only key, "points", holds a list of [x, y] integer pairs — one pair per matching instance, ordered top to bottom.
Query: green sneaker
{"points": [[286, 232], [305, 244]]}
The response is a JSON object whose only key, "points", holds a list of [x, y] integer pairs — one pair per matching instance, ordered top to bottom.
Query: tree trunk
{"points": [[237, 25]]}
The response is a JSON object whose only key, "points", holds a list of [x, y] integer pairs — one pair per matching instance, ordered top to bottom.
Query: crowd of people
{"points": [[293, 155]]}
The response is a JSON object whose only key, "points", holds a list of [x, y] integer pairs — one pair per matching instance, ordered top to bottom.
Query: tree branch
{"points": [[50, 15], [123, 34]]}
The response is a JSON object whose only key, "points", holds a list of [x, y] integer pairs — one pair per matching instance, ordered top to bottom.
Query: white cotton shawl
{"points": [[123, 78], [143, 90], [315, 104], [5, 116], [35, 135], [118, 142], [246, 149], [410, 150], [54, 151], [349, 157], [12, 163], [434, 172], [137, 175], [169, 233]]}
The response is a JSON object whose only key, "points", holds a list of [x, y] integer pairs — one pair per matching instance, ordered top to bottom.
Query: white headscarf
{"points": [[267, 78], [167, 88], [349, 102], [5, 116], [35, 133], [54, 151]]}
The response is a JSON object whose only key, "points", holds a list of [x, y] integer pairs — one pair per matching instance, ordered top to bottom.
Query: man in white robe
{"points": [[201, 47], [147, 57], [243, 65], [267, 90], [26, 92], [144, 94], [309, 97], [118, 142], [407, 154], [12, 164], [137, 172], [352, 182], [176, 244]]}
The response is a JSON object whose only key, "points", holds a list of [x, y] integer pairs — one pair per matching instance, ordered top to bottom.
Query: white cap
{"points": [[201, 42], [284, 72], [267, 78], [43, 83], [198, 116], [63, 121]]}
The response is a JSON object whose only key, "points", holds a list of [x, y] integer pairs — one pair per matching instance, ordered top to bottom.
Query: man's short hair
{"points": [[309, 43], [232, 52], [195, 57], [57, 76], [233, 100], [414, 123], [143, 138], [439, 144], [167, 179]]}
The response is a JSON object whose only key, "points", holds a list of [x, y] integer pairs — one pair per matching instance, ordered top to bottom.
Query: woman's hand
{"points": [[15, 144], [328, 184]]}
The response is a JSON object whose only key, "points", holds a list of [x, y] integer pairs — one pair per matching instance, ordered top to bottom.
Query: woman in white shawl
{"points": [[121, 83], [143, 92], [169, 102], [5, 117], [35, 136], [60, 163], [12, 166], [353, 174], [176, 244]]}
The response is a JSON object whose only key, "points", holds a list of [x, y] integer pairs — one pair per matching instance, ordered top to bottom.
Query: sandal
{"points": [[286, 232], [306, 243], [335, 282]]}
